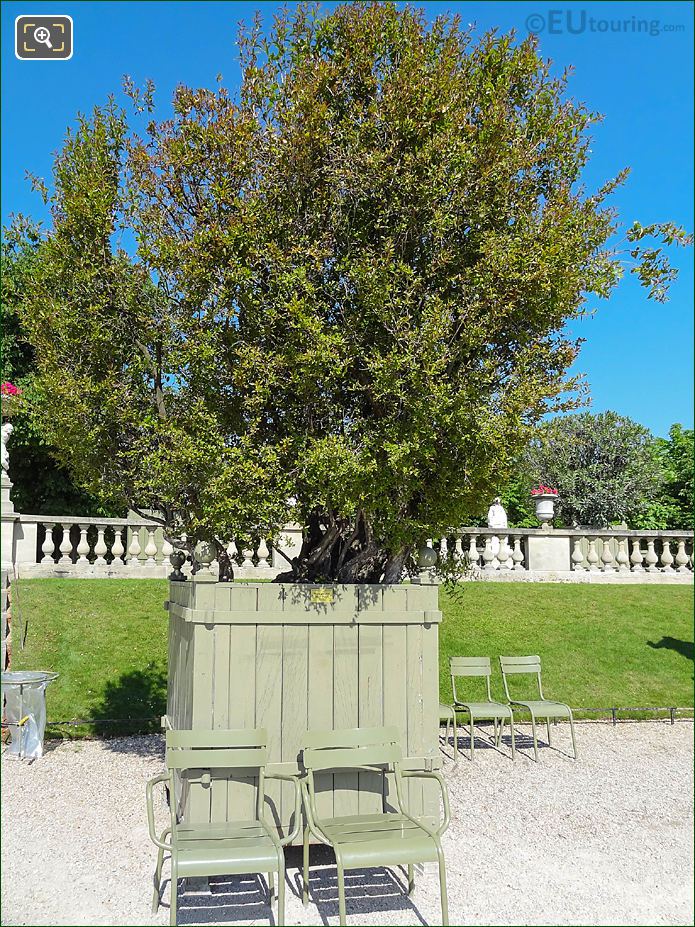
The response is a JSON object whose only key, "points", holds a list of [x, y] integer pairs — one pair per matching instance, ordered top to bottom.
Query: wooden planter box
{"points": [[290, 658]]}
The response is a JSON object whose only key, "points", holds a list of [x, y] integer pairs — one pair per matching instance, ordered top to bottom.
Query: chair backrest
{"points": [[470, 666], [517, 666], [351, 748], [244, 749]]}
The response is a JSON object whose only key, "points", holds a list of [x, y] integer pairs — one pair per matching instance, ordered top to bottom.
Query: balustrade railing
{"points": [[67, 545], [488, 549], [611, 551], [632, 551]]}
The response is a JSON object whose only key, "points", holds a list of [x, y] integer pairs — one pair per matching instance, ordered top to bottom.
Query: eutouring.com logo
{"points": [[579, 22]]}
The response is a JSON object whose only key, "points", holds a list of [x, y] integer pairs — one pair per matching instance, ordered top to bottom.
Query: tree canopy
{"points": [[337, 297], [605, 467]]}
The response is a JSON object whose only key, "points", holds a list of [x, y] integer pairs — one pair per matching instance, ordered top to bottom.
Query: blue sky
{"points": [[633, 62]]}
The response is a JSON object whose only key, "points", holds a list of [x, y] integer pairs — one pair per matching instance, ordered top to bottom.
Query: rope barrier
{"points": [[611, 713]]}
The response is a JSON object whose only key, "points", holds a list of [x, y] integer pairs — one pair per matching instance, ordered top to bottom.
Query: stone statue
{"points": [[7, 430], [496, 516]]}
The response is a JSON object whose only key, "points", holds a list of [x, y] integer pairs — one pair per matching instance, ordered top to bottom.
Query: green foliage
{"points": [[349, 286], [604, 466], [41, 485], [674, 507]]}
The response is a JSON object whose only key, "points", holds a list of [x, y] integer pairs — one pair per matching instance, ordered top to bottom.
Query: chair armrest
{"points": [[422, 774], [149, 788], [297, 804], [309, 812]]}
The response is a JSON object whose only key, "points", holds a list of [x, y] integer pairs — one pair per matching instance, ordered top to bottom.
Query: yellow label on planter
{"points": [[324, 596]]}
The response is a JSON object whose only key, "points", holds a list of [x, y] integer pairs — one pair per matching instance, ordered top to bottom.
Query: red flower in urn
{"points": [[542, 490]]}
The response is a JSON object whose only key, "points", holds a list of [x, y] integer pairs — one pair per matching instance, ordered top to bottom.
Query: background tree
{"points": [[349, 286], [604, 466], [40, 484], [674, 507]]}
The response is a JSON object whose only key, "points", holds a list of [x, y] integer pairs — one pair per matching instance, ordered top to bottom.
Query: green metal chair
{"points": [[538, 708], [480, 711], [448, 716], [362, 841], [222, 847]]}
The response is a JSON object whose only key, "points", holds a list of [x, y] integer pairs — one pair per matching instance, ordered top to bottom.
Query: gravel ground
{"points": [[605, 840]]}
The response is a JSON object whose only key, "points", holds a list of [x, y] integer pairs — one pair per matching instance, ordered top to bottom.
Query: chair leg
{"points": [[547, 724], [511, 728], [472, 737], [455, 738], [535, 738], [574, 742], [305, 868], [411, 878], [271, 887], [442, 889], [281, 893], [341, 894], [174, 896], [156, 897]]}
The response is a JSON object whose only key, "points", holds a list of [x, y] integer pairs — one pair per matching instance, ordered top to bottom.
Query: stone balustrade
{"points": [[126, 547], [132, 547], [571, 555]]}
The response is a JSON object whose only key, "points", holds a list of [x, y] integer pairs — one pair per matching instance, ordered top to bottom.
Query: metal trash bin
{"points": [[24, 701]]}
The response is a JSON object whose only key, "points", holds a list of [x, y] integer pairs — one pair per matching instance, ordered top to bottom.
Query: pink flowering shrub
{"points": [[11, 398]]}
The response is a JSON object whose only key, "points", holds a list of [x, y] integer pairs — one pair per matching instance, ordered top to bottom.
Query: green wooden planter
{"points": [[291, 658]]}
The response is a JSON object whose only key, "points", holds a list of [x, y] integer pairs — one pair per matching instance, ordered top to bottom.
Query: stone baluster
{"points": [[48, 545], [65, 545], [83, 548], [100, 548], [117, 548], [134, 548], [151, 548], [458, 549], [443, 550], [473, 550], [167, 551], [232, 553], [517, 553], [263, 554], [488, 554], [504, 554], [577, 556], [592, 556], [666, 556], [607, 557], [621, 557], [636, 557], [650, 557], [681, 557], [247, 562]]}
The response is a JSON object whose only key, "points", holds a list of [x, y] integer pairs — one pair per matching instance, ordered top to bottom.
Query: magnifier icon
{"points": [[43, 36]]}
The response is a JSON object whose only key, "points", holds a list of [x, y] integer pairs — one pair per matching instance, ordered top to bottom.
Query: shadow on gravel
{"points": [[366, 890], [230, 899]]}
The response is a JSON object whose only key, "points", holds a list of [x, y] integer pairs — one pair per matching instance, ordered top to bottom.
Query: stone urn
{"points": [[545, 507]]}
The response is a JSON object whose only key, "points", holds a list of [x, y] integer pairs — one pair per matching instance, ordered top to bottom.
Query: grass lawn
{"points": [[601, 646]]}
